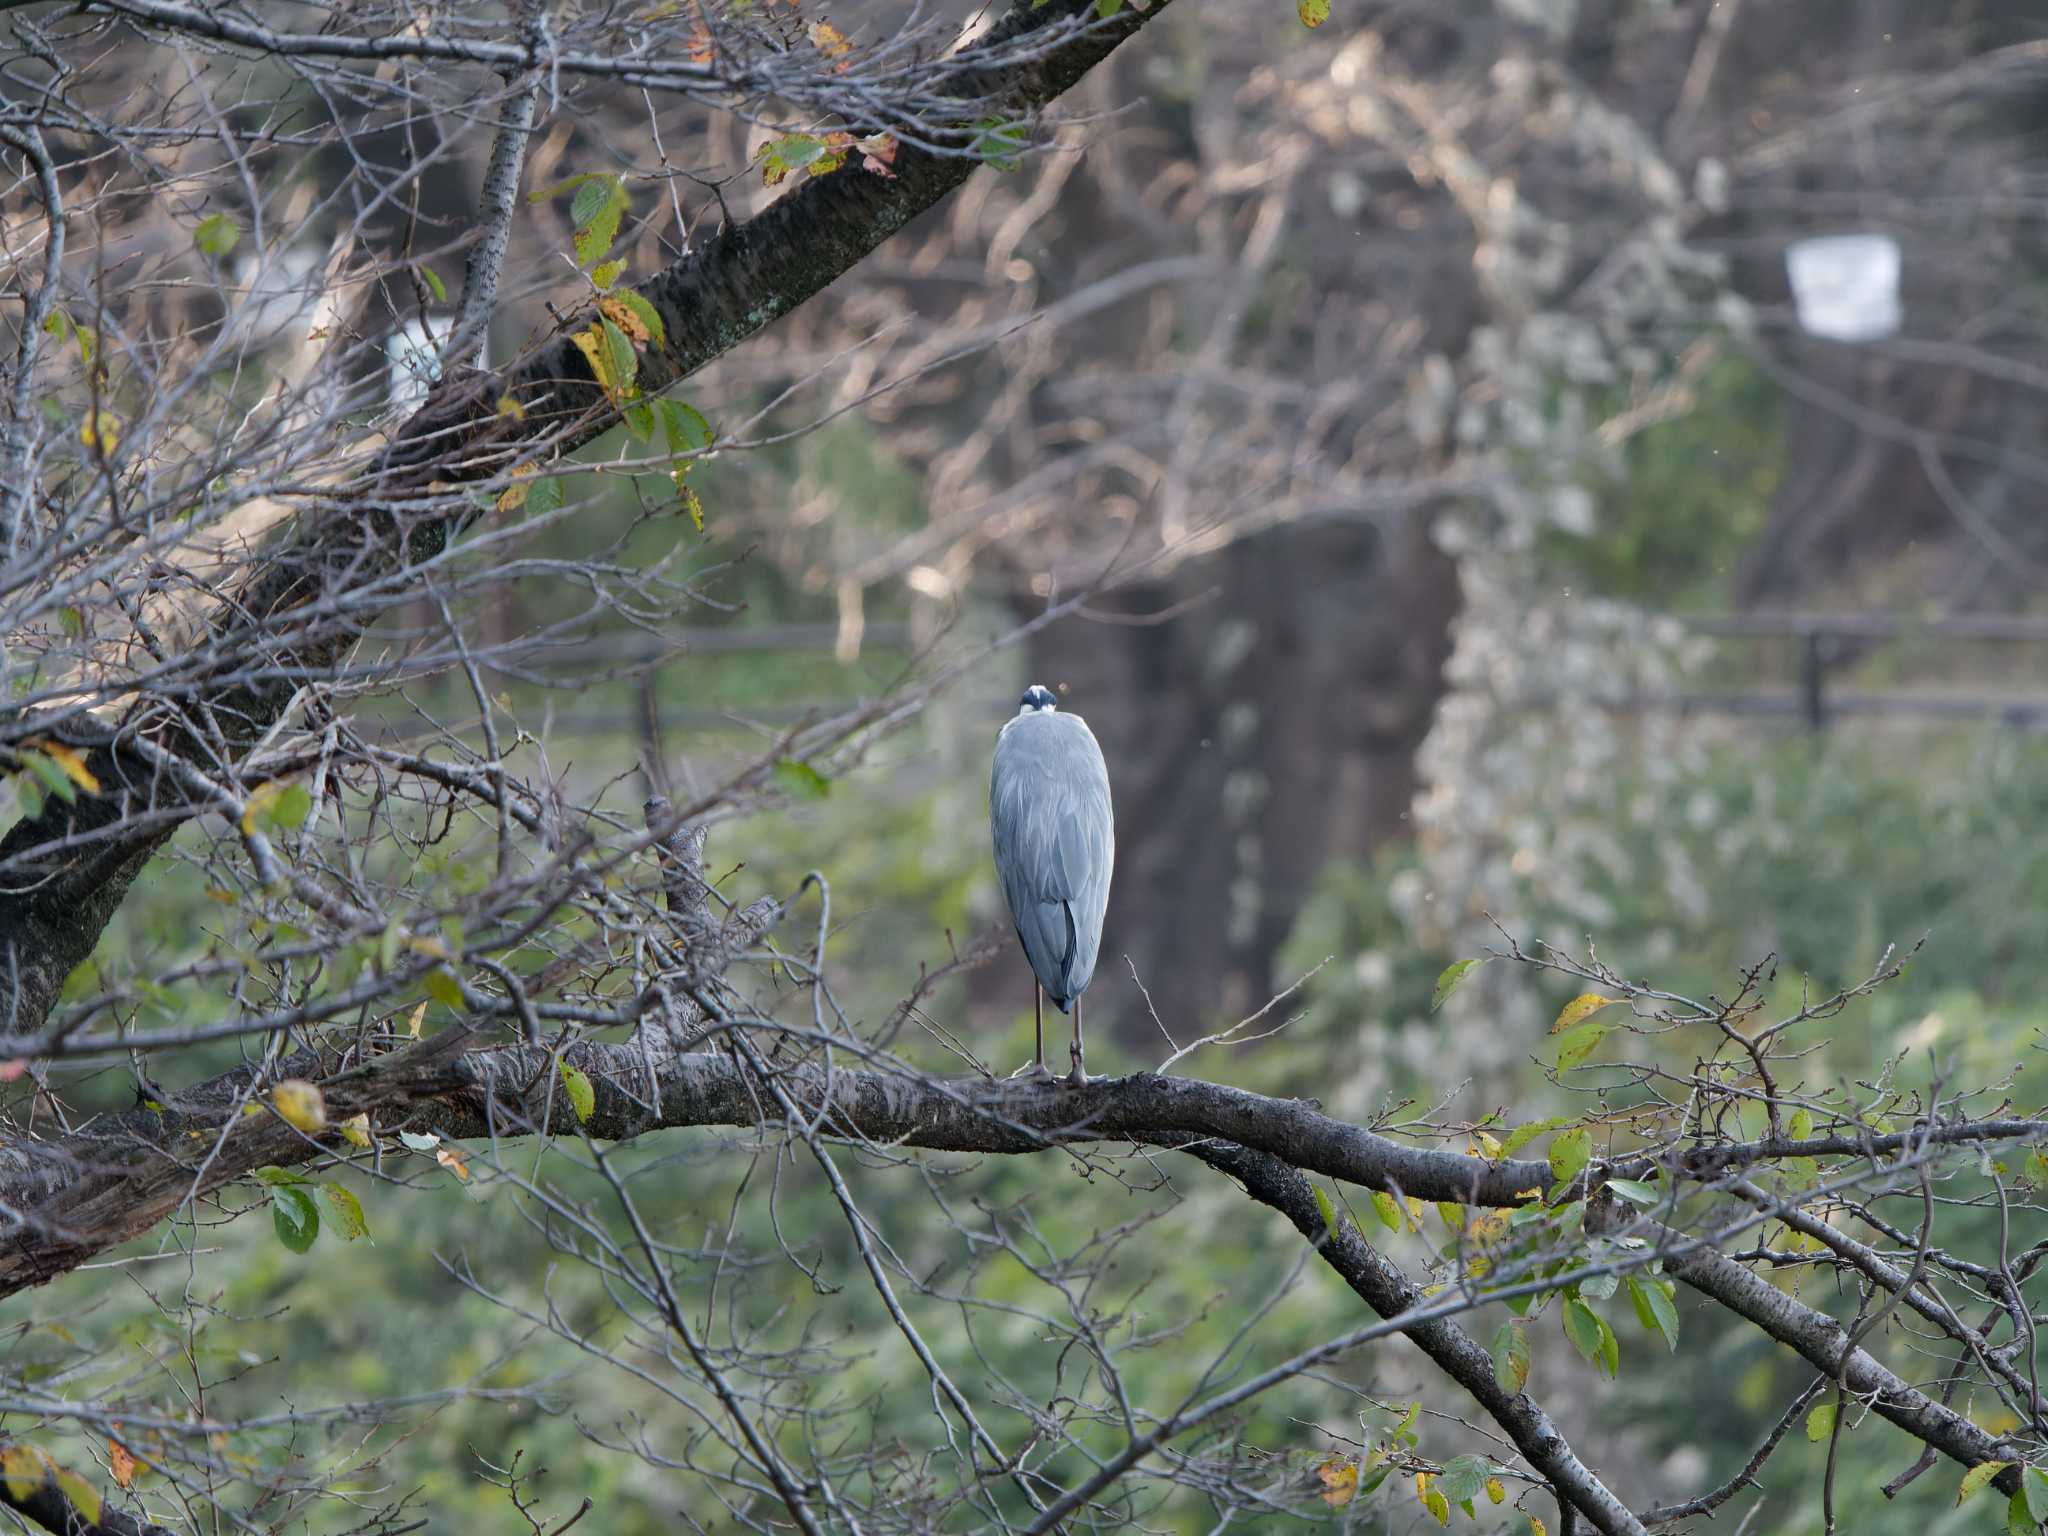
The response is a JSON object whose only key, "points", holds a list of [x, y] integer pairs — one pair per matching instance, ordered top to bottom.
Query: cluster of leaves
{"points": [[625, 325], [51, 767], [1458, 1483]]}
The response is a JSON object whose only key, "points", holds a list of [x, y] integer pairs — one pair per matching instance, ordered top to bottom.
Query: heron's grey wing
{"points": [[1049, 812]]}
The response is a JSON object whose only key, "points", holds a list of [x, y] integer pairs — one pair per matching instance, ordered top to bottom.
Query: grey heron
{"points": [[1055, 840]]}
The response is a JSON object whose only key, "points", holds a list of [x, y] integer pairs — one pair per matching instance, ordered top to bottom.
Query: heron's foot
{"points": [[1037, 1072], [1078, 1078]]}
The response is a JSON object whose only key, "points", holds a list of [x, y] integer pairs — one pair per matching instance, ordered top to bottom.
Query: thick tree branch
{"points": [[66, 871], [1389, 1293], [1826, 1345]]}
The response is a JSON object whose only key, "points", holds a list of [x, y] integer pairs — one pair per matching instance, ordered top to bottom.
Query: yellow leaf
{"points": [[1313, 13], [507, 406], [99, 432], [72, 761], [261, 799], [215, 893], [429, 946], [1582, 1006], [413, 1028], [300, 1105], [355, 1130], [1490, 1145], [453, 1160], [1414, 1213], [22, 1466], [1978, 1476], [1340, 1482], [1495, 1493], [84, 1497], [1439, 1506], [1537, 1527]]}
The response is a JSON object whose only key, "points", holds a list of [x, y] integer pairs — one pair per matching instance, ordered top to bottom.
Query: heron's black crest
{"points": [[1036, 697]]}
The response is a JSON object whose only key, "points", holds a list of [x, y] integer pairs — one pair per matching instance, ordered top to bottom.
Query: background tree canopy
{"points": [[521, 523]]}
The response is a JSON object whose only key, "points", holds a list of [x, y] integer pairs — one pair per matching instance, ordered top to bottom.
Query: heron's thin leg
{"points": [[1038, 1066], [1079, 1076]]}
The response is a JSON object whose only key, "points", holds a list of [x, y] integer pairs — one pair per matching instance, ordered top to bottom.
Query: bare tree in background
{"points": [[429, 954]]}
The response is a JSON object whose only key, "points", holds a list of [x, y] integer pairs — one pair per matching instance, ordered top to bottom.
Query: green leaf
{"points": [[1108, 8], [1313, 13], [999, 144], [791, 152], [597, 193], [217, 234], [605, 273], [434, 284], [625, 363], [639, 418], [544, 496], [72, 621], [55, 779], [802, 780], [31, 797], [288, 812], [1449, 979], [443, 988], [1578, 1042], [583, 1098], [1802, 1125], [1522, 1135], [420, 1141], [1570, 1152], [279, 1178], [1634, 1192], [1325, 1209], [1388, 1209], [295, 1216], [349, 1220], [1652, 1297], [1591, 1336], [1511, 1355], [1820, 1423], [1978, 1476], [1464, 1478], [2034, 1485], [84, 1497], [2019, 1520]]}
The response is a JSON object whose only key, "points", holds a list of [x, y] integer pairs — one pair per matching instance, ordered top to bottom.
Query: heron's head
{"points": [[1037, 700]]}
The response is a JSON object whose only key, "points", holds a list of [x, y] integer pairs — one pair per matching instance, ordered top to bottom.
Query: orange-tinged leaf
{"points": [[830, 41], [627, 321], [72, 761], [1585, 1004], [300, 1105], [453, 1159], [121, 1462], [1340, 1482], [1537, 1527]]}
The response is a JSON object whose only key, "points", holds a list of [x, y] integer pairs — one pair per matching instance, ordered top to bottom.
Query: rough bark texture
{"points": [[1389, 1293]]}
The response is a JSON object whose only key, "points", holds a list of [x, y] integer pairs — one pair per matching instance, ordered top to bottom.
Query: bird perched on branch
{"points": [[1055, 840]]}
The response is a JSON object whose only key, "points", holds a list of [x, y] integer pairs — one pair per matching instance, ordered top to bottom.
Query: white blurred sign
{"points": [[1846, 287]]}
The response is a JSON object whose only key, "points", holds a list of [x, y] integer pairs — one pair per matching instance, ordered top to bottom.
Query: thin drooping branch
{"points": [[499, 202], [37, 304], [68, 869], [1390, 1293], [1827, 1345]]}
